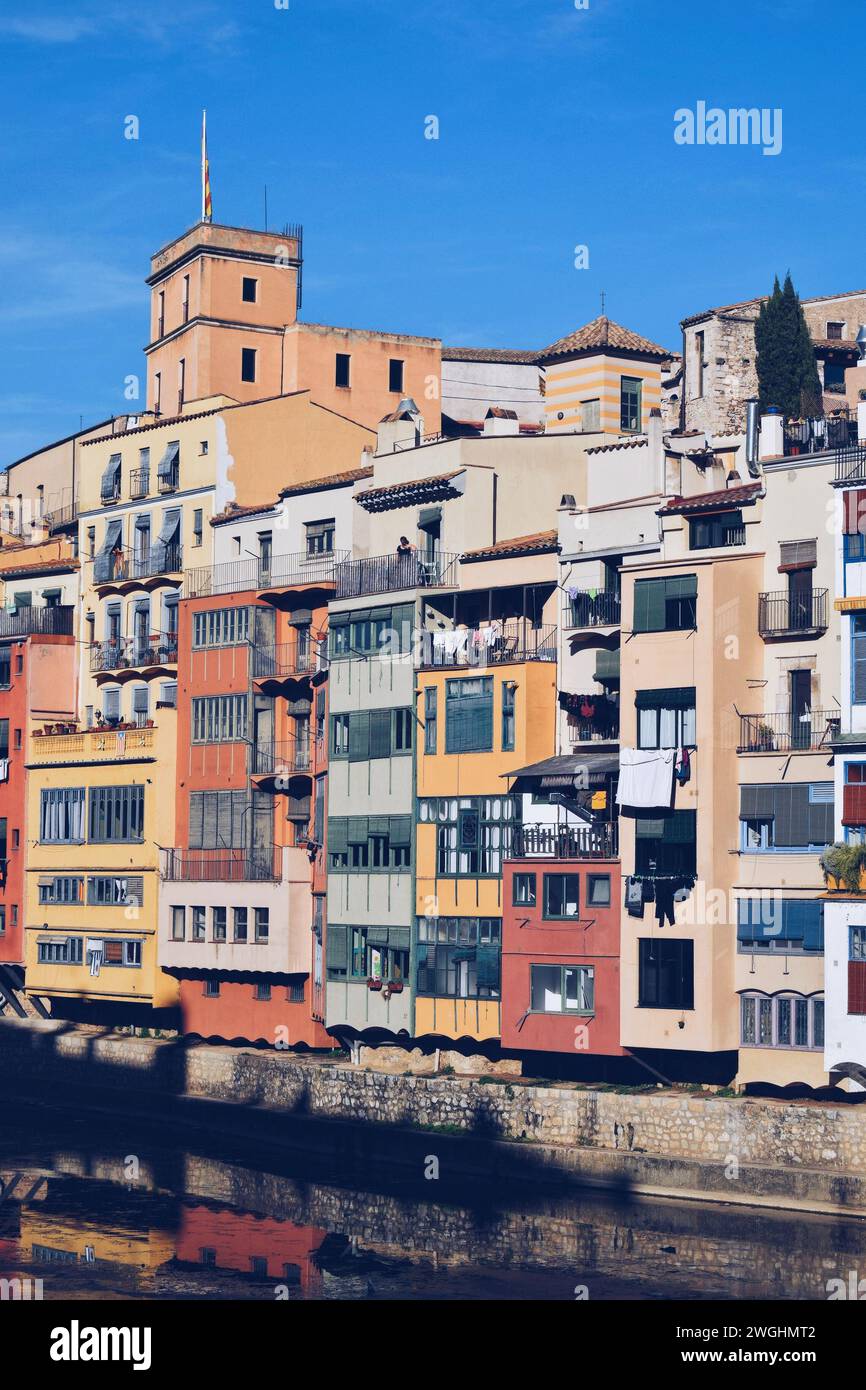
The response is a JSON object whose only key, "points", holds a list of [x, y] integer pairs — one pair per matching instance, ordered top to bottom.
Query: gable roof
{"points": [[707, 501], [539, 543]]}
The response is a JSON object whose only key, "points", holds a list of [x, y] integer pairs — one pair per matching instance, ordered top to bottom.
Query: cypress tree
{"points": [[787, 374]]}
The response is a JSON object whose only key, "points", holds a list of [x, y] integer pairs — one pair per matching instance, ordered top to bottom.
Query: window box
{"points": [[374, 984]]}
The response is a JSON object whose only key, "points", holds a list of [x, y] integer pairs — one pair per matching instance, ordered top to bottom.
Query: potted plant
{"points": [[766, 741], [845, 865], [374, 984], [395, 986]]}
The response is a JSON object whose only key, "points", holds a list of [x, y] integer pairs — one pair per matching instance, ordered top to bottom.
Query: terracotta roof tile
{"points": [[600, 335], [471, 354], [349, 475], [441, 484], [706, 501], [539, 543]]}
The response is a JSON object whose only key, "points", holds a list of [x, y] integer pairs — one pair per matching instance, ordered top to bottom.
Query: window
{"points": [[249, 289], [185, 304], [835, 331], [248, 364], [699, 365], [342, 369], [395, 375], [834, 377], [181, 383], [630, 404], [590, 416], [197, 524], [721, 529], [320, 536], [665, 605], [220, 627], [360, 636], [858, 658], [5, 667], [509, 694], [430, 699], [469, 715], [666, 718], [219, 719], [402, 732], [339, 735], [4, 738], [17, 743], [117, 814], [61, 815], [786, 816], [217, 820], [488, 843], [364, 844], [666, 844], [68, 890], [106, 890], [523, 890], [598, 890], [561, 895], [262, 916], [2, 919], [178, 923], [198, 923], [218, 923], [239, 923], [768, 923], [61, 951], [130, 954], [460, 957], [666, 973], [211, 989], [562, 989], [295, 992], [262, 993], [782, 1021]]}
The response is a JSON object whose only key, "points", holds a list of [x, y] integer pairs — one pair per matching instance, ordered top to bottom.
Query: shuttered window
{"points": [[797, 555], [665, 605], [858, 659], [469, 715], [219, 719], [61, 815], [797, 815], [217, 820], [772, 923]]}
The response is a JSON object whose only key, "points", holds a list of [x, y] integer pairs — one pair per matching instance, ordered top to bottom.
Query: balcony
{"points": [[836, 431], [851, 464], [170, 481], [139, 483], [61, 518], [124, 565], [384, 574], [248, 576], [593, 608], [784, 614], [26, 622], [500, 643], [128, 653], [286, 659], [603, 729], [786, 733], [93, 745], [282, 759], [566, 841], [226, 866]]}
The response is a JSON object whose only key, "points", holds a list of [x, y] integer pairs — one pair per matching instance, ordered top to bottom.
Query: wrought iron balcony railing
{"points": [[816, 436], [851, 463], [139, 483], [124, 563], [280, 571], [383, 574], [594, 608], [790, 615], [500, 642], [122, 653], [297, 658], [785, 733], [279, 759], [219, 866]]}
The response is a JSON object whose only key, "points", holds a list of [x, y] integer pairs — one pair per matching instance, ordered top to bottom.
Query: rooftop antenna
{"points": [[602, 303]]}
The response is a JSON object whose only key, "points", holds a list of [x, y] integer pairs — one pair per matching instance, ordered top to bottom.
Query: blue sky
{"points": [[556, 129]]}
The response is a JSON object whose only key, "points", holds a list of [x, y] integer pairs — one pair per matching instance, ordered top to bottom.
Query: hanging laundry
{"points": [[684, 768], [646, 778], [634, 897]]}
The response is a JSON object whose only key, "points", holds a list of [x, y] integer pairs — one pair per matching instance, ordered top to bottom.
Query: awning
{"points": [[168, 460], [108, 485], [102, 559], [570, 770], [53, 940]]}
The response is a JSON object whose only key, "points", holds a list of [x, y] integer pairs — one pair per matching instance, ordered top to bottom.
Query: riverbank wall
{"points": [[796, 1155]]}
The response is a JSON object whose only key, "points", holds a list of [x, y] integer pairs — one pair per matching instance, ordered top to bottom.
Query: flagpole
{"points": [[204, 165]]}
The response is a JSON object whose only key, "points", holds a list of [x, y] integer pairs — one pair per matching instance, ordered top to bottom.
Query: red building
{"points": [[37, 680], [561, 896], [242, 904], [263, 1247]]}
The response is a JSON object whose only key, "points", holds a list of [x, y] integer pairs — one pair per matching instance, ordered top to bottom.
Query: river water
{"points": [[103, 1208]]}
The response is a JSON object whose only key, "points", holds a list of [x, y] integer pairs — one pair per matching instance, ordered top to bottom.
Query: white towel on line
{"points": [[646, 777]]}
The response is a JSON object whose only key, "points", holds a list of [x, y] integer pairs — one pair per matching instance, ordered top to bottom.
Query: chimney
{"points": [[498, 421], [753, 433], [772, 434], [656, 447]]}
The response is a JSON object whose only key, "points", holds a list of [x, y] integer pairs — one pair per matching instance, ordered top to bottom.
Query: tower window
{"points": [[250, 290], [248, 364], [342, 369], [395, 375]]}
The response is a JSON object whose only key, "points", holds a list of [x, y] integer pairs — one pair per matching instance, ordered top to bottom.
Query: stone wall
{"points": [[730, 375], [47, 1057]]}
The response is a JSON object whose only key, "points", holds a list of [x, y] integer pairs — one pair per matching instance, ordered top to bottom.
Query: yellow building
{"points": [[602, 378], [485, 705], [100, 802]]}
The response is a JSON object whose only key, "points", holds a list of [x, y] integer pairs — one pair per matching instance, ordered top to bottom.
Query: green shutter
{"points": [[649, 605], [675, 697], [380, 733], [359, 736], [756, 802], [379, 825], [401, 830], [357, 832], [338, 836], [399, 938], [337, 947], [487, 966]]}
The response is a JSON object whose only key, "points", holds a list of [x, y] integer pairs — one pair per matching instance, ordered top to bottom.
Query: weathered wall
{"points": [[671, 1125]]}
